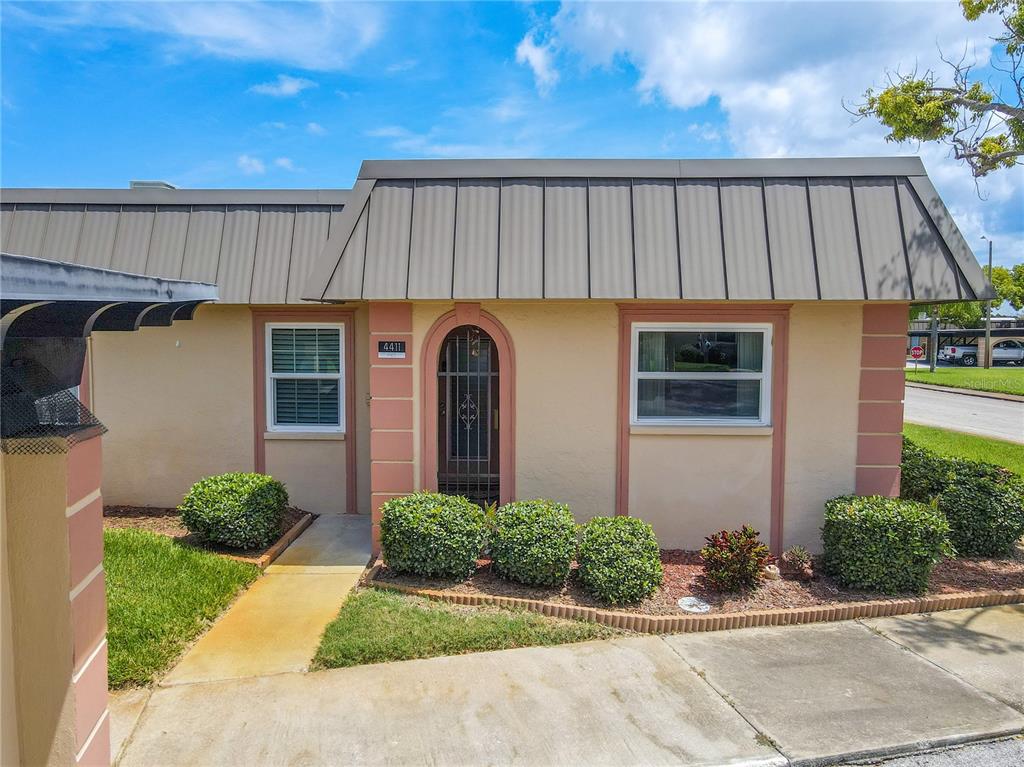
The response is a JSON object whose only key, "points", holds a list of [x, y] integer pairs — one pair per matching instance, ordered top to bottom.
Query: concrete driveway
{"points": [[999, 419], [802, 695]]}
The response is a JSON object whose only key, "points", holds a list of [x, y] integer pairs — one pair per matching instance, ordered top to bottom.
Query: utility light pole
{"points": [[988, 310]]}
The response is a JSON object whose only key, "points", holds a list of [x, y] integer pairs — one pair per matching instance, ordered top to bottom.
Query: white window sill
{"points": [[722, 431], [335, 436]]}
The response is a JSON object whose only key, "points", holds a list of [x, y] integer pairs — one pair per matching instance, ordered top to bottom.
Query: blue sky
{"points": [[297, 95]]}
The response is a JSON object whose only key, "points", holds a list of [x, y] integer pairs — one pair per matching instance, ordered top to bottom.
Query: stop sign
{"points": [[917, 352]]}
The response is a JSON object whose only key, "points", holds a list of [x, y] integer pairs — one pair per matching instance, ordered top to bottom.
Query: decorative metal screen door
{"points": [[467, 419]]}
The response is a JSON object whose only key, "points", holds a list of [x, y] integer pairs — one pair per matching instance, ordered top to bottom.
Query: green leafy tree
{"points": [[983, 125], [1009, 284]]}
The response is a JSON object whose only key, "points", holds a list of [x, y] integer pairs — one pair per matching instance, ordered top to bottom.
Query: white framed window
{"points": [[687, 373], [305, 381]]}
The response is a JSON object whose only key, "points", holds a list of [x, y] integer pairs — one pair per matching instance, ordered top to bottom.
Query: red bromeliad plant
{"points": [[735, 559]]}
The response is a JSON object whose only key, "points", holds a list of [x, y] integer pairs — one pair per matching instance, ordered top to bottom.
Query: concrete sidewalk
{"points": [[276, 625], [798, 695]]}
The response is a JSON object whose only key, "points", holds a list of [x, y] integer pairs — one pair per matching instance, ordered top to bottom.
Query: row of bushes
{"points": [[949, 507], [531, 542]]}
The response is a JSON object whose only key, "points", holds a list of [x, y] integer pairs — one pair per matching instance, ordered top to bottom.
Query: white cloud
{"points": [[320, 36], [540, 59], [401, 66], [779, 74], [283, 86], [316, 129], [705, 131], [285, 163], [251, 166]]}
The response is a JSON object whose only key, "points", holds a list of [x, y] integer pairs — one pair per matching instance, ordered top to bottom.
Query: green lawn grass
{"points": [[1008, 380], [958, 445], [160, 596], [376, 626]]}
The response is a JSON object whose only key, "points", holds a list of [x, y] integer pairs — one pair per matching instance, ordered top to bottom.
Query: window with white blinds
{"points": [[305, 377]]}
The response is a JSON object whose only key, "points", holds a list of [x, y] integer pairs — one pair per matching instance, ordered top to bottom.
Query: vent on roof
{"points": [[140, 184]]}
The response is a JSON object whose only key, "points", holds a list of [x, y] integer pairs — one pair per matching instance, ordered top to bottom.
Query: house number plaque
{"points": [[391, 350]]}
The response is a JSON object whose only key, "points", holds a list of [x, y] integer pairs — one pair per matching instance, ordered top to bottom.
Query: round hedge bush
{"points": [[238, 509], [985, 513], [432, 535], [533, 542], [885, 544], [619, 560]]}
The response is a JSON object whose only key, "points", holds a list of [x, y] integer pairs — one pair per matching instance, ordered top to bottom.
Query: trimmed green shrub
{"points": [[923, 473], [984, 503], [238, 509], [985, 513], [432, 535], [533, 542], [884, 544], [619, 559], [735, 560]]}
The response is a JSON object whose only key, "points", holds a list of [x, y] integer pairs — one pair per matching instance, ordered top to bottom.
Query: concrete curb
{"points": [[966, 392], [676, 624]]}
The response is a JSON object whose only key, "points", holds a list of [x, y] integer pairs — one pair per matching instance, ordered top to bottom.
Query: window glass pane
{"points": [[305, 350], [693, 351], [661, 398], [306, 401]]}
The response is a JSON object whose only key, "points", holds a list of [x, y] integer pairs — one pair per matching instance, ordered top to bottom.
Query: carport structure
{"points": [[53, 621]]}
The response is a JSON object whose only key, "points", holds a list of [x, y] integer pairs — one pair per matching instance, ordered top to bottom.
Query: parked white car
{"points": [[1007, 352]]}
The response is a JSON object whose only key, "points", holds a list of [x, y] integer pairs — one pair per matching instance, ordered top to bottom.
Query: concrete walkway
{"points": [[999, 419], [276, 625], [798, 695]]}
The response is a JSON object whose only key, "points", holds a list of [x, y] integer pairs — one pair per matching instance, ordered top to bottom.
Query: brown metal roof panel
{"points": [[6, 217], [312, 223], [28, 229], [63, 231], [99, 231], [134, 232], [743, 233], [789, 236], [433, 239], [521, 239], [611, 239], [700, 239], [835, 239], [476, 240], [881, 241], [202, 244], [167, 247], [237, 253], [657, 254], [273, 255], [566, 268], [386, 271], [933, 275], [347, 280]]}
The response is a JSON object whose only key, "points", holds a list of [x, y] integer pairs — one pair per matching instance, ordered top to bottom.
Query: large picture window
{"points": [[691, 373], [305, 379]]}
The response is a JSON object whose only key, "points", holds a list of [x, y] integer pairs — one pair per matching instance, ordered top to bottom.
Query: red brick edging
{"points": [[673, 624]]}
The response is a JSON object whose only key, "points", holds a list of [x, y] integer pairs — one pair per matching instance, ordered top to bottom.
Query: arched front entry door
{"points": [[468, 416]]}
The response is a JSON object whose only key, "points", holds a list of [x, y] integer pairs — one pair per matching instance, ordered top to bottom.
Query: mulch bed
{"points": [[168, 522], [684, 578]]}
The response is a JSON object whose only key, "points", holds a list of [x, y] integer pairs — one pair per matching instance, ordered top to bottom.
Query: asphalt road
{"points": [[985, 416], [1001, 753]]}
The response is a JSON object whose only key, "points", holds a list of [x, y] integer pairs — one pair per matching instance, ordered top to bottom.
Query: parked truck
{"points": [[1007, 352]]}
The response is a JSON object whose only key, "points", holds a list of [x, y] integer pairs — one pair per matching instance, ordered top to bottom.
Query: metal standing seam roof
{"points": [[786, 229], [258, 246]]}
